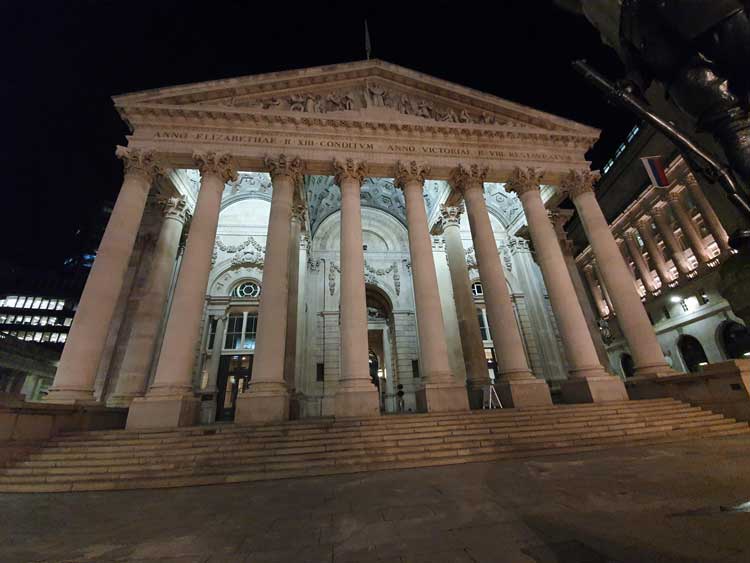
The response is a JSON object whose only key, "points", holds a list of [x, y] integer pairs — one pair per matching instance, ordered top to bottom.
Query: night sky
{"points": [[64, 59]]}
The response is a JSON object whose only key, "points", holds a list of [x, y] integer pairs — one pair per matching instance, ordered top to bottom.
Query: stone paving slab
{"points": [[659, 503]]}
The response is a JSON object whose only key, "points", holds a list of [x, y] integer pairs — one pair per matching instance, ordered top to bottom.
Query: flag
{"points": [[368, 45], [655, 170]]}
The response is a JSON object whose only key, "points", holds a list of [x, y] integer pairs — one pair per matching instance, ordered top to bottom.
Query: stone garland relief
{"points": [[371, 94], [252, 258], [371, 275]]}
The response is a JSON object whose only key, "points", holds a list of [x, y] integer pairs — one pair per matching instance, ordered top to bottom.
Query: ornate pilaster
{"points": [[284, 166], [410, 171], [467, 177], [522, 181], [578, 182], [664, 224], [644, 226], [688, 228], [631, 240]]}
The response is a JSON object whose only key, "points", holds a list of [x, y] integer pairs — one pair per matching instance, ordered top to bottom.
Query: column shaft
{"points": [[713, 223], [664, 225], [644, 228], [688, 228], [640, 263], [596, 292], [150, 311], [631, 315], [471, 337], [576, 338], [290, 349], [76, 372], [516, 384], [441, 392], [356, 395], [267, 399], [170, 400]]}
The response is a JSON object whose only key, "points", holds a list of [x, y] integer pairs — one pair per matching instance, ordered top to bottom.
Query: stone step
{"points": [[391, 421], [362, 432], [276, 444], [124, 470], [161, 481]]}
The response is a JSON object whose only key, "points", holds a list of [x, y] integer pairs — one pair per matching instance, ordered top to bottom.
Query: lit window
{"points": [[247, 289], [476, 289], [11, 301], [37, 303], [45, 303], [60, 305], [3, 319], [27, 320], [35, 320], [43, 321], [68, 321], [482, 325], [250, 328], [234, 332], [29, 336], [46, 336], [37, 337], [53, 337], [62, 338]]}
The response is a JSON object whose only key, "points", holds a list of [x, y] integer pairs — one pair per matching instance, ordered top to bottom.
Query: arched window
{"points": [[476, 289], [247, 290], [735, 340], [692, 352], [627, 364]]}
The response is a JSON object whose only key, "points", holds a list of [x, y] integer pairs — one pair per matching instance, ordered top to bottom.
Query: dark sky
{"points": [[64, 59]]}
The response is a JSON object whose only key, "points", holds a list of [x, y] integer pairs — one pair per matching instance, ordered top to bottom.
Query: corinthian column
{"points": [[659, 213], [709, 215], [688, 227], [644, 228], [640, 263], [596, 291], [631, 315], [471, 338], [290, 349], [139, 354], [76, 372], [588, 381], [516, 385], [439, 391], [356, 395], [170, 400], [267, 400]]}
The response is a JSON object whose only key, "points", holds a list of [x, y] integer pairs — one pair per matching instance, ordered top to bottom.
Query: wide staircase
{"points": [[205, 455]]}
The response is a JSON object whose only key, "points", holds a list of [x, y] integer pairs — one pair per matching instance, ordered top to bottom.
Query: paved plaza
{"points": [[665, 503]]}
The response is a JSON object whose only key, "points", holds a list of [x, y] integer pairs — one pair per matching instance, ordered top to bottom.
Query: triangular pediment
{"points": [[363, 91]]}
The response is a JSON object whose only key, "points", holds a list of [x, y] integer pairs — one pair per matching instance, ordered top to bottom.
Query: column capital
{"points": [[142, 162], [218, 164], [285, 166], [349, 169], [410, 171], [463, 177], [522, 181], [578, 182], [675, 196], [175, 208], [658, 211], [299, 212], [451, 215], [644, 222], [589, 268]]}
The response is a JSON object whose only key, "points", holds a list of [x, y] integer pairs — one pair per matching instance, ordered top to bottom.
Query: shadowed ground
{"points": [[660, 503]]}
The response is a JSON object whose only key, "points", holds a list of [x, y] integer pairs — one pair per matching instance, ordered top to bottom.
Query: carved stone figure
{"points": [[375, 95], [348, 101], [297, 102], [335, 102], [270, 103], [404, 105], [424, 109], [448, 115], [464, 116]]}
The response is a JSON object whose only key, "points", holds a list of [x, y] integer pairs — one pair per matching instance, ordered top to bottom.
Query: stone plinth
{"points": [[593, 390], [530, 392], [437, 397], [359, 402], [259, 407], [163, 412]]}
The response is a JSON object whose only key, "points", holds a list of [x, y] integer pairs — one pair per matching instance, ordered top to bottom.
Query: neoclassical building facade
{"points": [[346, 240]]}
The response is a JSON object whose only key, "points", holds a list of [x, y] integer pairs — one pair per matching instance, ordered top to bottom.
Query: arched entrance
{"points": [[380, 337], [735, 340], [692, 352]]}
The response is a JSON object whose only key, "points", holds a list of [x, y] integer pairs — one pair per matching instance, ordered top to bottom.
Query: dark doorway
{"points": [[735, 339], [692, 352], [627, 364], [233, 379]]}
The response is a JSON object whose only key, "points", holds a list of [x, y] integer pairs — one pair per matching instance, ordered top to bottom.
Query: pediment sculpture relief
{"points": [[370, 94]]}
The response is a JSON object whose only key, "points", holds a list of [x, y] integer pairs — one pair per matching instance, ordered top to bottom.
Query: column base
{"points": [[657, 370], [593, 389], [531, 392], [475, 396], [71, 397], [442, 397], [122, 400], [359, 402], [261, 407], [163, 412]]}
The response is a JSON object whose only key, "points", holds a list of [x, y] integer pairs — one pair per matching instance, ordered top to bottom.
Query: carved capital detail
{"points": [[142, 162], [219, 164], [284, 166], [349, 169], [407, 172], [463, 178], [522, 181], [578, 182], [675, 197], [175, 208], [659, 211], [298, 212], [451, 214], [644, 222]]}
